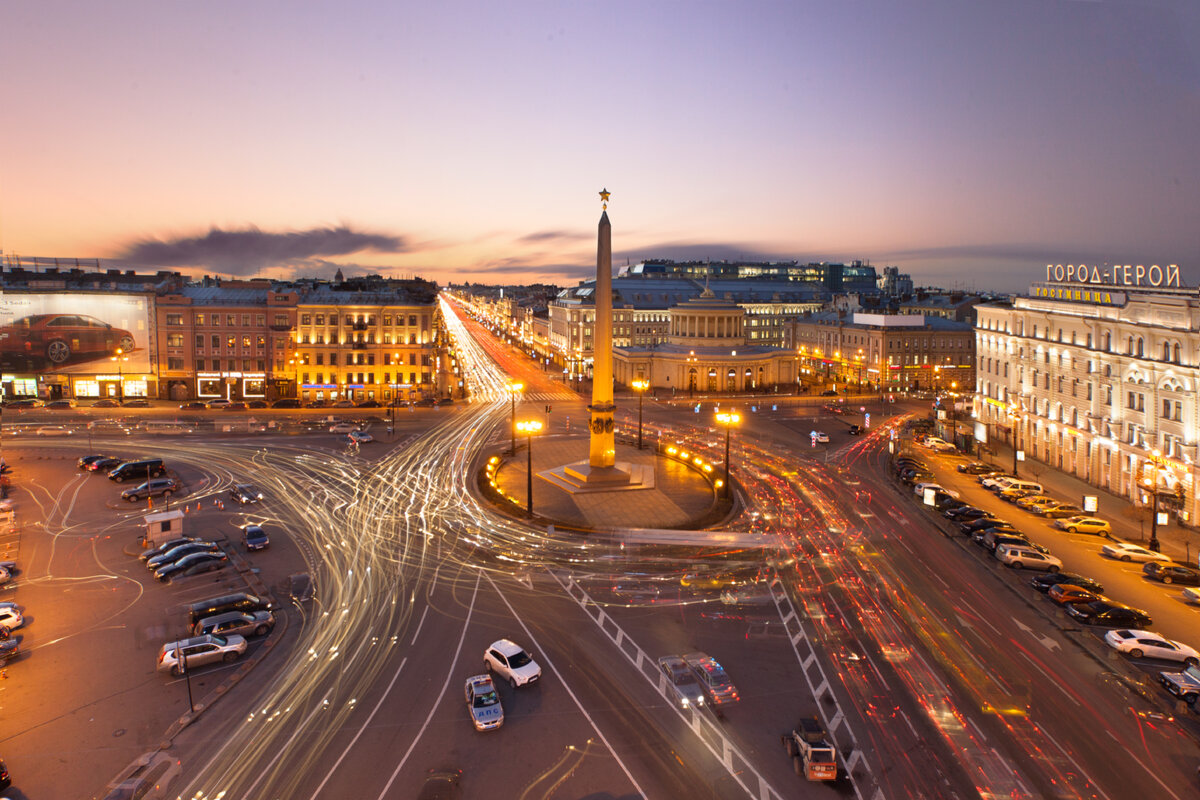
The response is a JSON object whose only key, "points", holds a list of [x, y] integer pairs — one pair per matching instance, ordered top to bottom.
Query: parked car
{"points": [[57, 339], [106, 402], [136, 402], [220, 402], [287, 402], [257, 404], [315, 404], [342, 404], [369, 404], [60, 405], [193, 405], [236, 405], [855, 430], [819, 436], [939, 445], [84, 461], [102, 464], [146, 468], [975, 468], [995, 482], [155, 487], [919, 488], [245, 493], [944, 502], [1032, 502], [1060, 511], [982, 524], [1084, 525], [255, 537], [170, 544], [186, 548], [1123, 551], [1019, 557], [193, 564], [1165, 572], [1044, 581], [1068, 593], [240, 601], [1111, 614], [11, 617], [244, 623], [1144, 644], [199, 651], [510, 661], [687, 690], [719, 690], [483, 703]]}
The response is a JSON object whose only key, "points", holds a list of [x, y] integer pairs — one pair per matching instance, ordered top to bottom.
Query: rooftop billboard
{"points": [[74, 332]]}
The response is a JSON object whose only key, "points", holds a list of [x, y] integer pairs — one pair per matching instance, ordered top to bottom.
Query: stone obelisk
{"points": [[602, 452]]}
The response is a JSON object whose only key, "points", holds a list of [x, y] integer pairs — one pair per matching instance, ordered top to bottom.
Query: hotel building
{"points": [[1096, 375]]}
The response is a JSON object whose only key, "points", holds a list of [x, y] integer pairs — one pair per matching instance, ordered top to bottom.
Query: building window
{"points": [[174, 319], [199, 319], [260, 319], [306, 319], [231, 320], [245, 320], [281, 321], [174, 340], [199, 341], [216, 341], [230, 342], [246, 342], [320, 359], [174, 363], [199, 364]]}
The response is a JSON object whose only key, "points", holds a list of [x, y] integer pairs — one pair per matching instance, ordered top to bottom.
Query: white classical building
{"points": [[1098, 380]]}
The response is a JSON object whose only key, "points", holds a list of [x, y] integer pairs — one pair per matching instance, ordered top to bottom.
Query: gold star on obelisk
{"points": [[604, 193]]}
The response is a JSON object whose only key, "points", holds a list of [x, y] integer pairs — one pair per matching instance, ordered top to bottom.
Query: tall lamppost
{"points": [[120, 357], [640, 386], [514, 389], [727, 419], [1016, 422], [529, 428], [1152, 486]]}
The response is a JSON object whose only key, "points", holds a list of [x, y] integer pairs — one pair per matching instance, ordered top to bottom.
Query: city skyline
{"points": [[968, 146]]}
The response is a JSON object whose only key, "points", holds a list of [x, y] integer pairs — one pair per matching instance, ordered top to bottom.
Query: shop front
{"points": [[231, 385]]}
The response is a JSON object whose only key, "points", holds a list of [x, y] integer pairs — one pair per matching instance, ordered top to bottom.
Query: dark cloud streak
{"points": [[249, 251]]}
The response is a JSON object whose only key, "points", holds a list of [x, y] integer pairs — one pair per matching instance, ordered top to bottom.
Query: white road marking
{"points": [[417, 632], [539, 649], [445, 685], [363, 727]]}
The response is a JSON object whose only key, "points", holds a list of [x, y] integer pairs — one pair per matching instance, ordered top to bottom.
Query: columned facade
{"points": [[1099, 382]]}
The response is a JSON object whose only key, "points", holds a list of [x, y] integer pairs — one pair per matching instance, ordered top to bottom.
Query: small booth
{"points": [[163, 526]]}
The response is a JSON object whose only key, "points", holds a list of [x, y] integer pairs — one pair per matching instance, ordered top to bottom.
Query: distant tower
{"points": [[338, 277]]}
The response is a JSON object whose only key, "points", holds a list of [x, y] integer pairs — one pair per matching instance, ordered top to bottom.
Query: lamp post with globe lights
{"points": [[120, 358], [640, 386], [514, 388], [728, 419], [529, 428]]}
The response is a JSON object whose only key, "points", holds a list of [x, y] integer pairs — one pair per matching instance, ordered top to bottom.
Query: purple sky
{"points": [[969, 142]]}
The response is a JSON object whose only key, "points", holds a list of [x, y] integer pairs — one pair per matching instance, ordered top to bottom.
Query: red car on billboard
{"points": [[60, 339]]}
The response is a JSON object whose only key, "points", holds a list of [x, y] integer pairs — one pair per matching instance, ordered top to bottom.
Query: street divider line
{"points": [[445, 685]]}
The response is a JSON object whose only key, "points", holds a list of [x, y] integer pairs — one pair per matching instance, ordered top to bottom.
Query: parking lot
{"points": [[83, 699]]}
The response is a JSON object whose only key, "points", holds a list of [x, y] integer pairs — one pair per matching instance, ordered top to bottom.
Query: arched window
{"points": [[1129, 349], [1140, 351], [1166, 351], [1175, 353]]}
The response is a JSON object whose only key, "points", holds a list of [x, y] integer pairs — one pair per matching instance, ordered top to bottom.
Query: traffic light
{"points": [[548, 409]]}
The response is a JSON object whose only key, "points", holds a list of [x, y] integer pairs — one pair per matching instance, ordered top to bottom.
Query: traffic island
{"points": [[671, 490]]}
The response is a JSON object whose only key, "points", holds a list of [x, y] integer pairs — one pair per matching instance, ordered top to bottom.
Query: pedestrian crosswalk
{"points": [[550, 396]]}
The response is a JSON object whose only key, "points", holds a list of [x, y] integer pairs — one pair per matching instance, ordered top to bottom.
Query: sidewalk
{"points": [[1129, 522]]}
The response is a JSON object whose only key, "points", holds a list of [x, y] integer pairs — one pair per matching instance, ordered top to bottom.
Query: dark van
{"points": [[138, 470], [242, 601]]}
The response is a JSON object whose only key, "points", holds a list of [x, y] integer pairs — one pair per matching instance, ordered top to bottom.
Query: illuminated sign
{"points": [[1115, 275]]}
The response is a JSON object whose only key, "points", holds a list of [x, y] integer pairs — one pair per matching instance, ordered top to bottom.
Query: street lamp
{"points": [[120, 357], [640, 386], [514, 389], [728, 419], [1016, 421], [529, 428], [1152, 485]]}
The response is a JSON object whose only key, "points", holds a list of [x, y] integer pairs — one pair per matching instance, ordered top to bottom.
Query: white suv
{"points": [[1019, 557], [508, 660]]}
